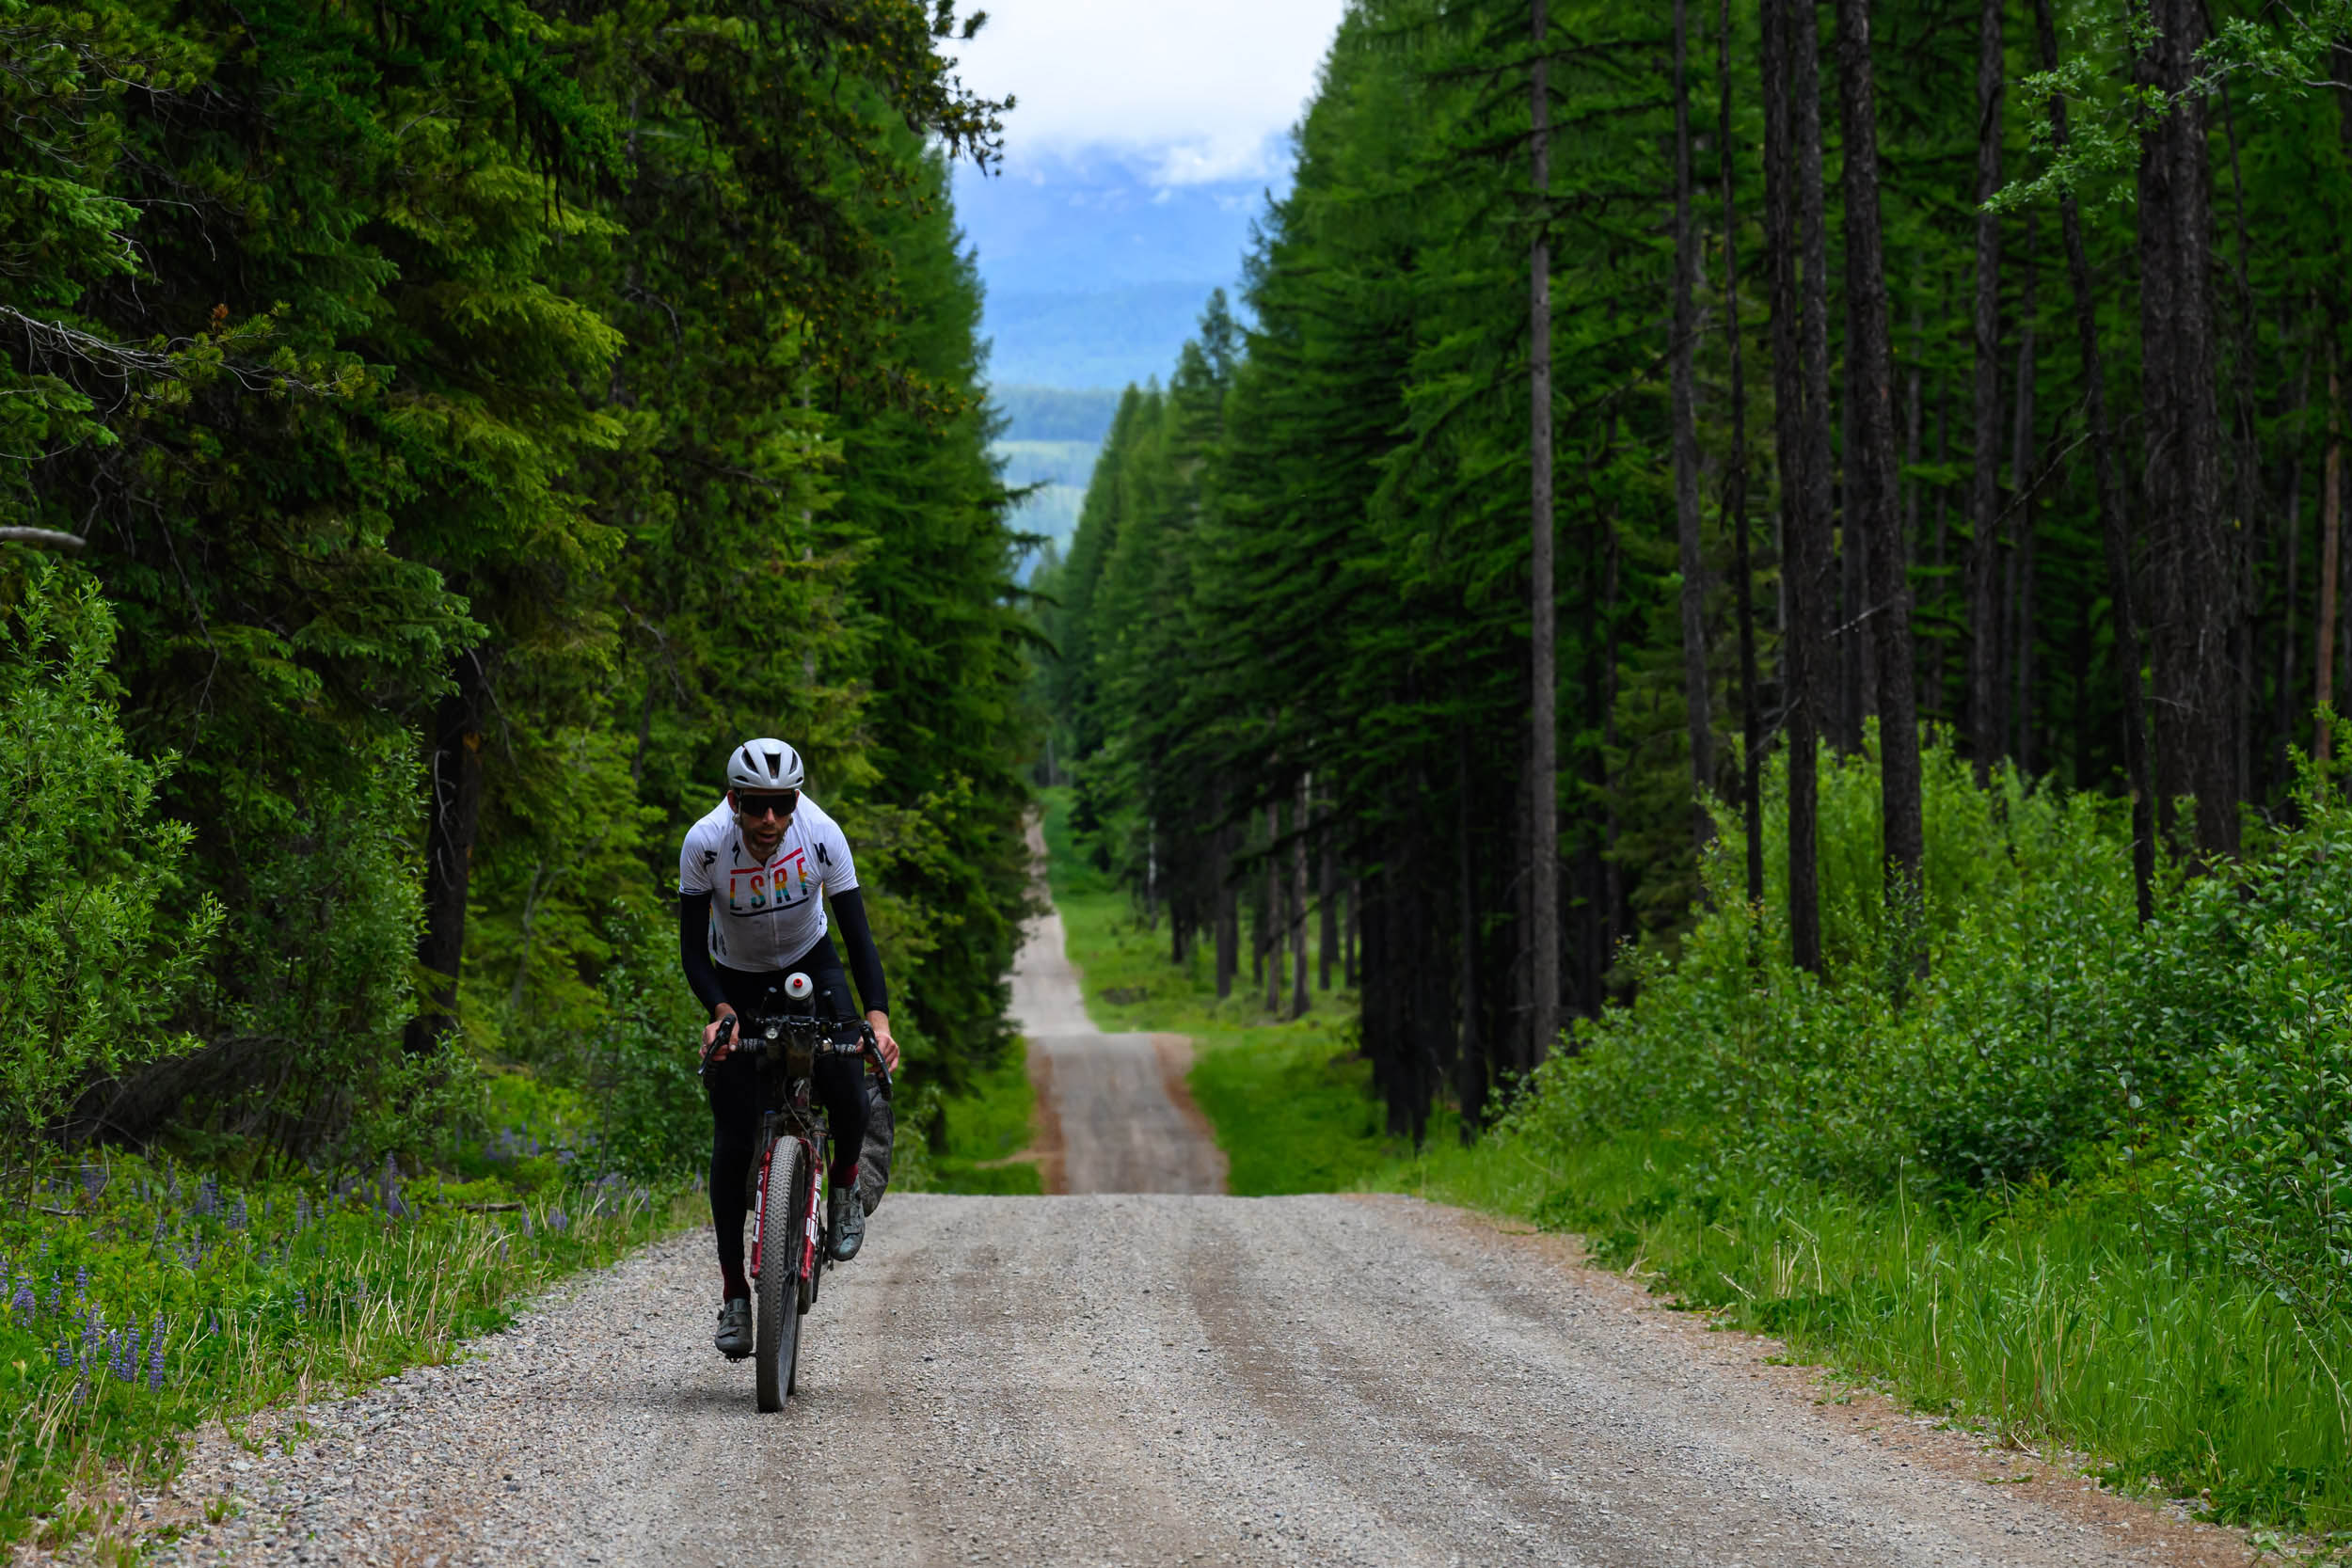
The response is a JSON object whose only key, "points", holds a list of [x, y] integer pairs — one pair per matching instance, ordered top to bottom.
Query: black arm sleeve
{"points": [[849, 912], [693, 947]]}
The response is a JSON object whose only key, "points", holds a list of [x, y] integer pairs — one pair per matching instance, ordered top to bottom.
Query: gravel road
{"points": [[1166, 1377], [1151, 1379]]}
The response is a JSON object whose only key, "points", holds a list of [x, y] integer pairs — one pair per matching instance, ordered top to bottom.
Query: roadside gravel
{"points": [[1146, 1379]]}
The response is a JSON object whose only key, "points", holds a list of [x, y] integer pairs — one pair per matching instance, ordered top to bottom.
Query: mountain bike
{"points": [[790, 1248]]}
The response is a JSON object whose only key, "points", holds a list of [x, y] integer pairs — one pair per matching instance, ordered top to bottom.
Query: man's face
{"points": [[761, 815]]}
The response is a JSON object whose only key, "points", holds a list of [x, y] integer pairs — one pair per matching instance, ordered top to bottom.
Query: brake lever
{"points": [[718, 1044]]}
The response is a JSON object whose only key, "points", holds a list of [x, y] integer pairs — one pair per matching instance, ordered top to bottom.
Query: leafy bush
{"points": [[99, 934], [2052, 1035]]}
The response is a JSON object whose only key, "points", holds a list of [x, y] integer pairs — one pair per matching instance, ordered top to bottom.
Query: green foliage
{"points": [[612, 372], [101, 933]]}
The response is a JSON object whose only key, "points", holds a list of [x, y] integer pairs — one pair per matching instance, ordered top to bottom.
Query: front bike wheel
{"points": [[776, 1341]]}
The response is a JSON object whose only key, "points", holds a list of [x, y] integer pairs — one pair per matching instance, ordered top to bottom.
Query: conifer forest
{"points": [[1915, 407], [477, 418]]}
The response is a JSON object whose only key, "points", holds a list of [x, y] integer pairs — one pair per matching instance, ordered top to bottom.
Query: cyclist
{"points": [[752, 881]]}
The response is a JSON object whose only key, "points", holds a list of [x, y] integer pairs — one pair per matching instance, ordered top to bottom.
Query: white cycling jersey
{"points": [[765, 914]]}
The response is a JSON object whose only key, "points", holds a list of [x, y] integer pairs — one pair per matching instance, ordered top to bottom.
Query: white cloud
{"points": [[1198, 91]]}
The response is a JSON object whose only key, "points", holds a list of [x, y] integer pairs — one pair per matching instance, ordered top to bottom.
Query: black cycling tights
{"points": [[733, 1085]]}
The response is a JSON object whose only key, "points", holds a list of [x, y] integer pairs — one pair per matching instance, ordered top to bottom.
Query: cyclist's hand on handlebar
{"points": [[710, 1033], [882, 1042]]}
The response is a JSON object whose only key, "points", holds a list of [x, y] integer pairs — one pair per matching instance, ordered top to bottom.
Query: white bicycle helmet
{"points": [[765, 765]]}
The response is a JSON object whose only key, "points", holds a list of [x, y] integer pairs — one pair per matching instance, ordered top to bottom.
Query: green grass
{"points": [[985, 1129], [145, 1299], [2043, 1317]]}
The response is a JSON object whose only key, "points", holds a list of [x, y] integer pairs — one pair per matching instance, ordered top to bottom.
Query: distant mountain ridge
{"points": [[1105, 337], [1056, 413]]}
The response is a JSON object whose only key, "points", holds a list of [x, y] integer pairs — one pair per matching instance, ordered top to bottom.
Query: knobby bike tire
{"points": [[776, 1341]]}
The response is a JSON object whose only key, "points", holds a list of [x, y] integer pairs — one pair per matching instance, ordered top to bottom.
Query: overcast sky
{"points": [[1190, 93]]}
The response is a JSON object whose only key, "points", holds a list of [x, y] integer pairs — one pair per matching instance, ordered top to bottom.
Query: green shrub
{"points": [[100, 934], [2051, 1032]]}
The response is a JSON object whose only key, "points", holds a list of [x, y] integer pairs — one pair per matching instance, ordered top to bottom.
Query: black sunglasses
{"points": [[781, 806]]}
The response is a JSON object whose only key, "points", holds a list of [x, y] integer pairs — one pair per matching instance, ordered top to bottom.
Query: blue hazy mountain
{"points": [[1094, 274], [1094, 277]]}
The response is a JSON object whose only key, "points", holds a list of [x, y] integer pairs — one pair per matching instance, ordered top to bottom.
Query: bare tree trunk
{"points": [[1686, 454], [2021, 464], [1871, 474], [1736, 487], [1984, 493], [2114, 527], [2331, 546], [1809, 548], [2291, 548], [1800, 565], [2195, 699], [1544, 771], [453, 822], [1228, 905], [1327, 908], [1275, 919], [1354, 926], [1300, 999], [1471, 1085]]}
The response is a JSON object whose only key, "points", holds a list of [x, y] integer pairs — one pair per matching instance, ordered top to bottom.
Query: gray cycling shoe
{"points": [[849, 1223], [733, 1338]]}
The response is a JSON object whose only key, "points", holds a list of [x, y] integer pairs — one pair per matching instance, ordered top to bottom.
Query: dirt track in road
{"points": [[1114, 1114], [1149, 1378]]}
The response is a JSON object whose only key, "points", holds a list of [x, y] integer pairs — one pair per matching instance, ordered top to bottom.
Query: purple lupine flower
{"points": [[93, 1181], [208, 1197], [302, 1209], [237, 1215], [556, 1220], [525, 1221], [81, 1280], [302, 1301], [22, 1304], [155, 1355], [125, 1363]]}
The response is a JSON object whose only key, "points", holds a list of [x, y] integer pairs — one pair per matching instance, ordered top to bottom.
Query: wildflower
{"points": [[93, 1181], [208, 1197], [302, 1211], [237, 1215], [556, 1220], [525, 1221], [81, 1280], [302, 1301], [23, 1305], [155, 1355], [125, 1363]]}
